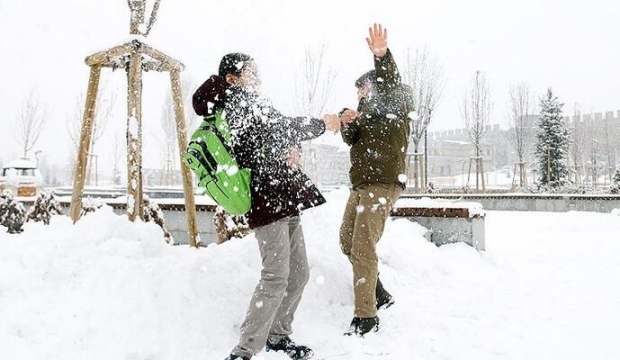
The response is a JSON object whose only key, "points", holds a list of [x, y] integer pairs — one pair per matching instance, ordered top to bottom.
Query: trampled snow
{"points": [[546, 288]]}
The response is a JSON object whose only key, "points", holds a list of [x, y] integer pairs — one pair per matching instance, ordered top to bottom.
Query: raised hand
{"points": [[377, 40]]}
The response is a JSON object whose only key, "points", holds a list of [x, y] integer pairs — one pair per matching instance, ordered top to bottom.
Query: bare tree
{"points": [[424, 75], [314, 83], [103, 112], [476, 112], [29, 123], [521, 126], [578, 130], [167, 137], [607, 138], [168, 143], [600, 144], [593, 146], [118, 150]]}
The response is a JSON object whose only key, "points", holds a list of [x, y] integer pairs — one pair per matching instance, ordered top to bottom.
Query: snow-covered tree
{"points": [[552, 143], [615, 181], [45, 206], [152, 212], [12, 213], [228, 226]]}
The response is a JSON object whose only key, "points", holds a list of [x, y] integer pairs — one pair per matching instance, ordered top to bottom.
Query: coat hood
{"points": [[210, 96]]}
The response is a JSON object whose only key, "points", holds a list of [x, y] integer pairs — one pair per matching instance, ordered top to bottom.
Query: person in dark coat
{"points": [[378, 133], [268, 142]]}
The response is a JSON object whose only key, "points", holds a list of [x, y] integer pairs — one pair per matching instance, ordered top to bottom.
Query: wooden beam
{"points": [[106, 55], [161, 57], [147, 65], [179, 112], [79, 172], [135, 203]]}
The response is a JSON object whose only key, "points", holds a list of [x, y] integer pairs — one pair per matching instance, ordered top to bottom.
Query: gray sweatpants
{"points": [[283, 278]]}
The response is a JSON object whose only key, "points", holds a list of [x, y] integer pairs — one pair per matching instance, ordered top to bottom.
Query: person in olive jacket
{"points": [[378, 133], [267, 142]]}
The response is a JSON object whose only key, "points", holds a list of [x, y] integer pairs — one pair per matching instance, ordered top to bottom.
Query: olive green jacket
{"points": [[379, 136]]}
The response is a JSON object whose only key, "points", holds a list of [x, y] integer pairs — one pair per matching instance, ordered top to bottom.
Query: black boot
{"points": [[384, 299], [361, 326], [297, 352], [235, 357]]}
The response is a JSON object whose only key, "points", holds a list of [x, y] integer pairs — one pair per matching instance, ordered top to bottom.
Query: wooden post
{"points": [[79, 172], [135, 203], [190, 205]]}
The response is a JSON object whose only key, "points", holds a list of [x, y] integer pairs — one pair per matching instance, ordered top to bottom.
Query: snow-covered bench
{"points": [[447, 221]]}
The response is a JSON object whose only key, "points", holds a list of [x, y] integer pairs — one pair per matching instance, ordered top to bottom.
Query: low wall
{"points": [[533, 202], [176, 222]]}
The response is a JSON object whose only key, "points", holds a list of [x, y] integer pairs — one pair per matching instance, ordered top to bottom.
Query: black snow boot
{"points": [[384, 299], [361, 326], [294, 351], [235, 357]]}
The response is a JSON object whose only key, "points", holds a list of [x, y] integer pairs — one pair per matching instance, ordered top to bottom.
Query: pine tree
{"points": [[552, 143], [615, 182]]}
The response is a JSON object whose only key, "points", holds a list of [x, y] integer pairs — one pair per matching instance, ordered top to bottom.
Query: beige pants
{"points": [[364, 218], [283, 279]]}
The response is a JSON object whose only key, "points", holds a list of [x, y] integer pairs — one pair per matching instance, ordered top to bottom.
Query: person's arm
{"points": [[388, 76], [350, 129], [293, 130]]}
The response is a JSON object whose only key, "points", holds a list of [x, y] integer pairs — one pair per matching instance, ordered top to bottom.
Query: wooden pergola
{"points": [[135, 57]]}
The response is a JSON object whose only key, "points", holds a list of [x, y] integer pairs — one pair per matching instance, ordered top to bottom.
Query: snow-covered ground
{"points": [[548, 287]]}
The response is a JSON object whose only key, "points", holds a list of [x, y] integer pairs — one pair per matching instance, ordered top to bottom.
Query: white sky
{"points": [[570, 45]]}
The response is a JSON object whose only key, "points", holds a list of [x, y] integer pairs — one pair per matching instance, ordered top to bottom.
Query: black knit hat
{"points": [[233, 64], [369, 77]]}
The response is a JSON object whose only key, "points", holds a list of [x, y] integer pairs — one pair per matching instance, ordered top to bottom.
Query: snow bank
{"points": [[109, 289]]}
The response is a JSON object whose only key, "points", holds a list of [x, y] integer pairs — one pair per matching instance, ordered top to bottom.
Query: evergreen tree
{"points": [[552, 143], [615, 183]]}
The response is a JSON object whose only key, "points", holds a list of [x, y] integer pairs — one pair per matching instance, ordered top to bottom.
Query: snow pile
{"points": [[106, 288]]}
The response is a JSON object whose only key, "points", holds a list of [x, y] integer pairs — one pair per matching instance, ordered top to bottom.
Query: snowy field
{"points": [[548, 287]]}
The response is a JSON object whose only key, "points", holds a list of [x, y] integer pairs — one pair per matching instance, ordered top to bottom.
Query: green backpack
{"points": [[209, 156]]}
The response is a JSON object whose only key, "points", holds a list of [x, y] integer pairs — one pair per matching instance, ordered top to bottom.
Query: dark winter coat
{"points": [[379, 136], [262, 137]]}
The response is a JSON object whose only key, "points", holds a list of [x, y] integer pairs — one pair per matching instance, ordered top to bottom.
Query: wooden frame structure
{"points": [[135, 57]]}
